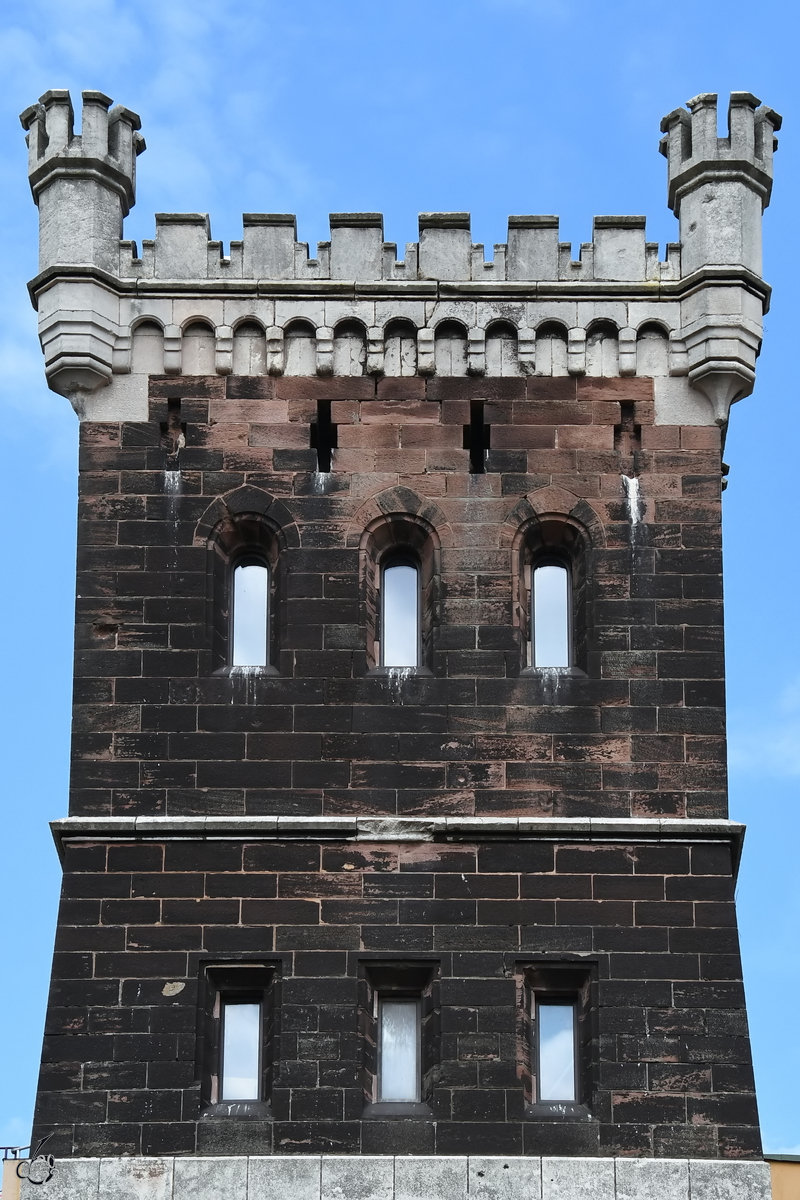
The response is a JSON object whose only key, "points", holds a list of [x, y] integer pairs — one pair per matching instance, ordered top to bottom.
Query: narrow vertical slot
{"points": [[324, 437], [476, 438]]}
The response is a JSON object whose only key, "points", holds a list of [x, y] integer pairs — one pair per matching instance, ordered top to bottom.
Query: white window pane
{"points": [[250, 594], [550, 616], [400, 625], [241, 1038], [399, 1050], [556, 1051]]}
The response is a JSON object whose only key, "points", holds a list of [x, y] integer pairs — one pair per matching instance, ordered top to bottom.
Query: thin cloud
{"points": [[766, 742]]}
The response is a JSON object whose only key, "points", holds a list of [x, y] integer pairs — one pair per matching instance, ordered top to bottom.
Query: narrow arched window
{"points": [[349, 348], [451, 348], [147, 349], [198, 349], [249, 349], [301, 349], [501, 349], [551, 349], [602, 349], [400, 355], [400, 614], [250, 615], [550, 615]]}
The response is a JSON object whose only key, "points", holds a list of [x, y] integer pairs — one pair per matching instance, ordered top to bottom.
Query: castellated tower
{"points": [[398, 861]]}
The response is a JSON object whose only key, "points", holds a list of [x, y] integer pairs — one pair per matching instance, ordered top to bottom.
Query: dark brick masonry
{"points": [[163, 727], [669, 1056]]}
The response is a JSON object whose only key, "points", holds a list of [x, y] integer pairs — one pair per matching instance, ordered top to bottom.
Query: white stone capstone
{"points": [[295, 1177], [369, 1177], [384, 1177], [445, 1178], [505, 1178], [648, 1178], [578, 1179], [710, 1180]]}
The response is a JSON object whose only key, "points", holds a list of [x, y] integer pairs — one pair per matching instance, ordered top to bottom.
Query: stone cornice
{"points": [[399, 289], [398, 829]]}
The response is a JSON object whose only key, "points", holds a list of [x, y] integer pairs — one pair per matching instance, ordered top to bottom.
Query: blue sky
{"points": [[318, 106]]}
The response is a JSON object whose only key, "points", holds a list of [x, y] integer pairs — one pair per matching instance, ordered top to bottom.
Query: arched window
{"points": [[349, 348], [451, 348], [147, 349], [197, 349], [249, 349], [301, 349], [501, 349], [551, 349], [602, 349], [652, 351], [400, 356], [400, 603], [250, 620], [551, 624]]}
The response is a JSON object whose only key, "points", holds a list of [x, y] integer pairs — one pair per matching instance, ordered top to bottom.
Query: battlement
{"points": [[108, 143], [693, 149], [356, 252], [358, 304]]}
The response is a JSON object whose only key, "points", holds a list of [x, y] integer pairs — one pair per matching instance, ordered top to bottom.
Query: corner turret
{"points": [[84, 185], [718, 189]]}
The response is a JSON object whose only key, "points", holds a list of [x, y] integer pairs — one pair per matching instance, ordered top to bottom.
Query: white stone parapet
{"points": [[705, 300], [368, 1177]]}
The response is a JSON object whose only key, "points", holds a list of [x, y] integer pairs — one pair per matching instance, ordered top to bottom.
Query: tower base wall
{"points": [[461, 1177]]}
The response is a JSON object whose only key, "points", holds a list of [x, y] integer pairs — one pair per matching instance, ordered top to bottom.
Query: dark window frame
{"points": [[393, 539], [557, 539], [399, 978], [559, 982], [222, 983], [416, 1000], [541, 1000]]}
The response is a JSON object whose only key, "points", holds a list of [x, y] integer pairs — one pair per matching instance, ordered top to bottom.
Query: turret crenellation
{"points": [[107, 146], [694, 150], [404, 306]]}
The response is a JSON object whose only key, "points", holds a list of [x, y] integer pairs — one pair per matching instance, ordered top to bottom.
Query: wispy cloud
{"points": [[766, 741], [15, 1132]]}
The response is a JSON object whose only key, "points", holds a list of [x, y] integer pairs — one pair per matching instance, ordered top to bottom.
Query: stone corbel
{"points": [[172, 349], [223, 350], [324, 350], [375, 350], [526, 350], [275, 351], [627, 351], [426, 352], [476, 352], [576, 352], [121, 354]]}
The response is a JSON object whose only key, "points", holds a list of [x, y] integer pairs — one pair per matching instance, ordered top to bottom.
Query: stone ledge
{"points": [[398, 829], [329, 1177]]}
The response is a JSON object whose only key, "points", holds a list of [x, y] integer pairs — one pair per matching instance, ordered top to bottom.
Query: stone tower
{"points": [[398, 861]]}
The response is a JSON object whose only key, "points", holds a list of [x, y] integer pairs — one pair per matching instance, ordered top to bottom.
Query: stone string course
{"points": [[323, 1177]]}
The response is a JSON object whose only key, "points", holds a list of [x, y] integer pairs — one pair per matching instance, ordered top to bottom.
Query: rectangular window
{"points": [[236, 1050], [241, 1050], [398, 1050], [556, 1058]]}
